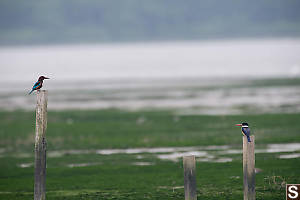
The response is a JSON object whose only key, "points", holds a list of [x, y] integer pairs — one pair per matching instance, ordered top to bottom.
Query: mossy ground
{"points": [[115, 177]]}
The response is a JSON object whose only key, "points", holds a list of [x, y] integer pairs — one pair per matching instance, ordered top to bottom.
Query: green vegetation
{"points": [[77, 21], [121, 129], [115, 177]]}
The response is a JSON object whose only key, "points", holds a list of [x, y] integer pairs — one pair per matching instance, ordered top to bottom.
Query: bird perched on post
{"points": [[39, 84], [245, 130]]}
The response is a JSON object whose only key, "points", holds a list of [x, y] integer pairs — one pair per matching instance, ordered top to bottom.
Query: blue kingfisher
{"points": [[38, 85]]}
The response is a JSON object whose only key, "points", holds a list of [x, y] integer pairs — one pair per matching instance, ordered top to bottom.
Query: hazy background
{"points": [[79, 21], [128, 53], [135, 85]]}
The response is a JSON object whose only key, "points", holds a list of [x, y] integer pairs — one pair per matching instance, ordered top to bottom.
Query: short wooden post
{"points": [[40, 146], [249, 168], [190, 187]]}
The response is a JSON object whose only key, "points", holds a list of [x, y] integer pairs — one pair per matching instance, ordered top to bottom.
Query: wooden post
{"points": [[40, 146], [249, 168], [190, 188]]}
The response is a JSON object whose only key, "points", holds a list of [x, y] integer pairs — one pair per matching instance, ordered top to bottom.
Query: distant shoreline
{"points": [[144, 41]]}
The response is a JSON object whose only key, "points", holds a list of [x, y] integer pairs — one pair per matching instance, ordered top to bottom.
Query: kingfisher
{"points": [[39, 84], [245, 130]]}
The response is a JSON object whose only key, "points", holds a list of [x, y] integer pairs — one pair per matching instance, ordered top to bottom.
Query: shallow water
{"points": [[220, 58], [212, 77], [185, 97], [215, 153], [290, 156], [142, 163], [82, 164], [25, 165]]}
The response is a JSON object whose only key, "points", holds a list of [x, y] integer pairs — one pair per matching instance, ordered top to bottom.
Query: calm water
{"points": [[153, 60], [159, 75], [214, 153]]}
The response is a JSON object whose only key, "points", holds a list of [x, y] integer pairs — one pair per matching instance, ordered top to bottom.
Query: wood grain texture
{"points": [[40, 146], [249, 168], [190, 187]]}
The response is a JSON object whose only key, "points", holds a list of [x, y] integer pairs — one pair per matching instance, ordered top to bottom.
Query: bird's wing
{"points": [[36, 85], [246, 131]]}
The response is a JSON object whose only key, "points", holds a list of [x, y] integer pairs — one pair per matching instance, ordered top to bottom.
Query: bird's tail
{"points": [[30, 91], [248, 137]]}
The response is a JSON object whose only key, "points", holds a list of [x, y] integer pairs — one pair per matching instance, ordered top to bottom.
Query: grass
{"points": [[115, 177]]}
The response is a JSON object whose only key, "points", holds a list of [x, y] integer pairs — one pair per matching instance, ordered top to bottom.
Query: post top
{"points": [[42, 90], [42, 93], [189, 156]]}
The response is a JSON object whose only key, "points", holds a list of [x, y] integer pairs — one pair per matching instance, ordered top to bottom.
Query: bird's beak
{"points": [[47, 78], [238, 124]]}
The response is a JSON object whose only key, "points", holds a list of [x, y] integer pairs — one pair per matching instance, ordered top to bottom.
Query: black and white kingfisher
{"points": [[245, 130]]}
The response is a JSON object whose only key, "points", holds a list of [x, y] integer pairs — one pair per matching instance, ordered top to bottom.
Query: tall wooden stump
{"points": [[40, 146], [249, 168], [190, 187]]}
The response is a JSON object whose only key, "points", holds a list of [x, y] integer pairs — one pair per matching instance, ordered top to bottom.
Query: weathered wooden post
{"points": [[40, 146], [249, 168], [190, 187]]}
